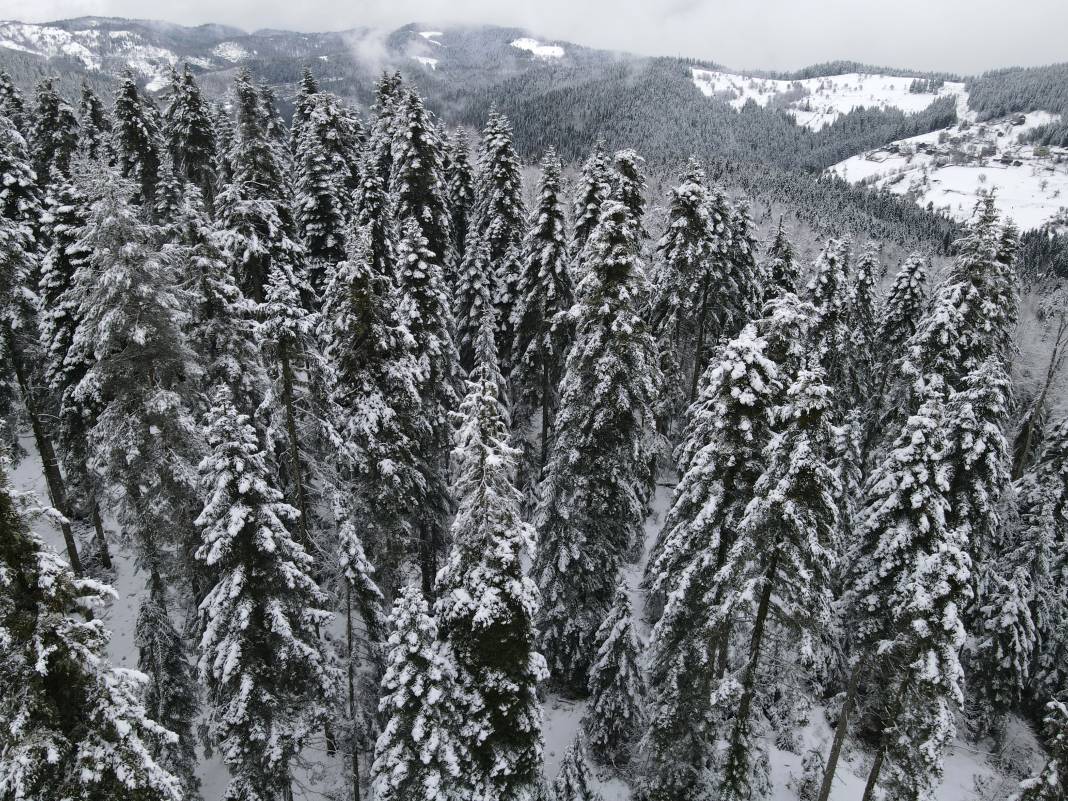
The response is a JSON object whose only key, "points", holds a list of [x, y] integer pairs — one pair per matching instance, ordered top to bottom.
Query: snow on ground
{"points": [[431, 36], [47, 41], [538, 49], [230, 51], [427, 62], [816, 102], [952, 168], [969, 774]]}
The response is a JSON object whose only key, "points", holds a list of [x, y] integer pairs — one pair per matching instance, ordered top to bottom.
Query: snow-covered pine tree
{"points": [[309, 87], [389, 91], [12, 103], [94, 126], [190, 134], [53, 135], [225, 136], [138, 141], [326, 178], [460, 181], [628, 186], [595, 187], [499, 218], [257, 228], [692, 272], [782, 274], [828, 291], [744, 292], [473, 293], [901, 312], [862, 321], [430, 324], [542, 332], [376, 393], [144, 443], [720, 460], [593, 496], [784, 548], [912, 579], [486, 603], [268, 674], [171, 693], [615, 713], [75, 727], [421, 752], [572, 782], [1050, 783]]}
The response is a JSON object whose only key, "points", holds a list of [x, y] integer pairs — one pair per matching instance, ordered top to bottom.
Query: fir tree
{"points": [[309, 87], [389, 91], [12, 104], [94, 127], [54, 135], [190, 136], [138, 141], [460, 181], [629, 186], [595, 187], [781, 272], [828, 291], [474, 293], [546, 293], [743, 295], [901, 312], [862, 321], [592, 498], [486, 604], [266, 671], [615, 713], [76, 727], [420, 753], [572, 783], [1051, 783]]}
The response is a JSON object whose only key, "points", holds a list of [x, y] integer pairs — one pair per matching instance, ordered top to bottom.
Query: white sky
{"points": [[955, 35]]}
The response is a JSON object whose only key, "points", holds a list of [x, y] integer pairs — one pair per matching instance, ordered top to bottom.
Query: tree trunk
{"points": [[699, 350], [294, 442], [56, 488], [101, 537], [741, 718], [840, 730], [354, 755], [873, 776]]}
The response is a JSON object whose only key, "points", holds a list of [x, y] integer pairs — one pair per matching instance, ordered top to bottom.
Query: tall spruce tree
{"points": [[12, 103], [94, 126], [190, 134], [53, 135], [138, 141], [460, 180], [629, 186], [595, 187], [781, 271], [542, 330], [592, 498], [486, 603], [267, 673], [76, 727], [572, 782]]}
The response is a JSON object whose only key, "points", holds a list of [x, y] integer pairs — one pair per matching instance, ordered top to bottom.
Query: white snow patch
{"points": [[431, 36], [50, 42], [538, 49], [230, 51], [427, 62], [816, 102], [952, 168]]}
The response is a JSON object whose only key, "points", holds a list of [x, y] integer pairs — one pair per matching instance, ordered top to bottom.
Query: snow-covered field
{"points": [[538, 49], [816, 102], [953, 167]]}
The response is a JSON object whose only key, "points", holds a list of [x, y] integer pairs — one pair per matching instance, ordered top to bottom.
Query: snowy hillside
{"points": [[816, 102], [951, 168]]}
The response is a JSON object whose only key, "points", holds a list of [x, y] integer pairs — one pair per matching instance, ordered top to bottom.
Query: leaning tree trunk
{"points": [[57, 490], [840, 730], [354, 753], [873, 775]]}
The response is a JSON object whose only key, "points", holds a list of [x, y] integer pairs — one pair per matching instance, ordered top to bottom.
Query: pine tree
{"points": [[309, 87], [389, 91], [12, 104], [94, 127], [190, 134], [54, 135], [138, 141], [460, 180], [629, 186], [595, 187], [781, 272], [828, 291], [474, 293], [546, 293], [742, 300], [901, 312], [862, 322], [430, 325], [376, 393], [143, 443], [592, 498], [784, 548], [912, 579], [486, 604], [267, 673], [171, 692], [615, 714], [75, 728], [420, 753], [572, 783], [1051, 783]]}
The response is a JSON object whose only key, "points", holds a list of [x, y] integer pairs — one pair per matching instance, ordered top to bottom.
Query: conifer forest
{"points": [[396, 444]]}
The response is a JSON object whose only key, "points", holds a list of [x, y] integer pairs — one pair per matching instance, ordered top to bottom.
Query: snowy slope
{"points": [[538, 49], [816, 102], [952, 168]]}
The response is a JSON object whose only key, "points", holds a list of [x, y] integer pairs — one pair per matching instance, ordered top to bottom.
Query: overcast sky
{"points": [[953, 35]]}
